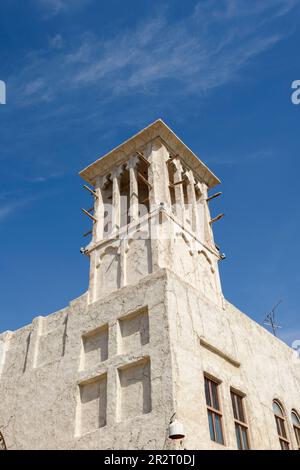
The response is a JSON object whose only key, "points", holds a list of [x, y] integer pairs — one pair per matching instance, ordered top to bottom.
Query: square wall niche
{"points": [[134, 331], [95, 347], [134, 389], [93, 402]]}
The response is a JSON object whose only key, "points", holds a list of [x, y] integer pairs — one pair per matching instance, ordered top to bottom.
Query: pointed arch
{"points": [[109, 270]]}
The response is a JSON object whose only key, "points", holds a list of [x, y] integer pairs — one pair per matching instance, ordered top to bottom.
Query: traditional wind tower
{"points": [[151, 212]]}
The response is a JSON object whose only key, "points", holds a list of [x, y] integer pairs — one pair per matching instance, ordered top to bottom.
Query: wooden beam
{"points": [[141, 156], [142, 178], [175, 184], [90, 190], [213, 196], [145, 200], [89, 215], [216, 218], [88, 233], [218, 352]]}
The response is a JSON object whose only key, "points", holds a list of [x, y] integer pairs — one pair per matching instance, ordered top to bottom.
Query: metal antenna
{"points": [[270, 319]]}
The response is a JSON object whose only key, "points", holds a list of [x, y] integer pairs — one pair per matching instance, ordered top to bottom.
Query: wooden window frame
{"points": [[214, 411], [281, 424], [239, 425], [296, 428]]}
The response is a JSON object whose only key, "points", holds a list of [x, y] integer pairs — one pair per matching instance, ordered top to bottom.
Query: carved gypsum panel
{"points": [[138, 257], [109, 271], [134, 331], [95, 347], [134, 390], [93, 401]]}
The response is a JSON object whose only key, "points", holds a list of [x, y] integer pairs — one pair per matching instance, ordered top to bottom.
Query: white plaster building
{"points": [[153, 335]]}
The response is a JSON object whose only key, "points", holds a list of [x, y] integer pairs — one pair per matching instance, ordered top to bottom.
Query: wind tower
{"points": [[151, 212]]}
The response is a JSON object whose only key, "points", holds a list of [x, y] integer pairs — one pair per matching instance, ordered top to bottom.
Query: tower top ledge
{"points": [[136, 143]]}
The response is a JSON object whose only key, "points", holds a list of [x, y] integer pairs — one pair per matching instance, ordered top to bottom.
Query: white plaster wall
{"points": [[267, 370], [41, 406]]}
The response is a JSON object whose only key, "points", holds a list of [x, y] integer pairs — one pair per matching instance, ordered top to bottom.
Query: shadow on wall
{"points": [[2, 442]]}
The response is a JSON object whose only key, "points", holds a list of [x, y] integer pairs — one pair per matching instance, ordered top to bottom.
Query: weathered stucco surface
{"points": [[227, 345], [126, 363], [110, 370], [59, 404]]}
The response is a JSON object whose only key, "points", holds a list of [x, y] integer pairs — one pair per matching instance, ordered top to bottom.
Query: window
{"points": [[214, 410], [280, 424], [296, 426], [241, 427]]}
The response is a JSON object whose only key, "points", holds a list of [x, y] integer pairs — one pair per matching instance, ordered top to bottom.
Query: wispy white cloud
{"points": [[56, 6], [233, 9], [56, 41], [193, 55], [33, 87], [233, 160], [43, 178], [13, 201], [9, 208], [290, 335]]}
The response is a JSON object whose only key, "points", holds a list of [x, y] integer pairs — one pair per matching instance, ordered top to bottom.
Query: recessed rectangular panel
{"points": [[134, 330], [95, 347], [135, 389], [93, 400]]}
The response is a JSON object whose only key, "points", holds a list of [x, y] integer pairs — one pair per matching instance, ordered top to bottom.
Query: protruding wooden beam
{"points": [[141, 156], [142, 178], [175, 184], [90, 190], [213, 196], [89, 215], [216, 218], [88, 233]]}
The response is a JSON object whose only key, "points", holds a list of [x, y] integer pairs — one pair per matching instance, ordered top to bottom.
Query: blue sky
{"points": [[84, 75]]}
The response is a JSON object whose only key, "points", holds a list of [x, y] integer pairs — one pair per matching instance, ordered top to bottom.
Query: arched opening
{"points": [[171, 173], [143, 188], [124, 197], [107, 201], [187, 211], [280, 424], [296, 425], [2, 442]]}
